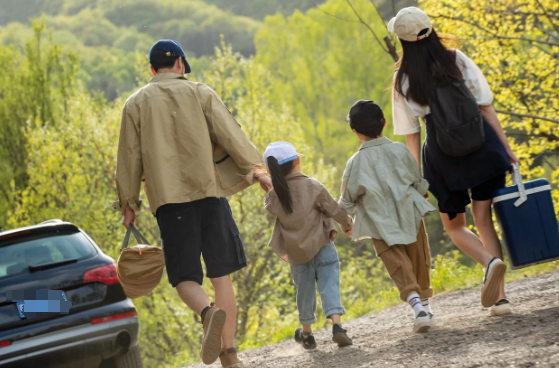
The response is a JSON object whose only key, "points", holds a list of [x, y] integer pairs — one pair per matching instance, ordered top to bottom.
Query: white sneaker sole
{"points": [[490, 291], [500, 310], [423, 324]]}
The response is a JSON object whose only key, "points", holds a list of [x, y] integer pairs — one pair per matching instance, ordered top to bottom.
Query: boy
{"points": [[383, 189]]}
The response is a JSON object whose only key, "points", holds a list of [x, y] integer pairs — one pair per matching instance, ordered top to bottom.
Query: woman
{"points": [[425, 65]]}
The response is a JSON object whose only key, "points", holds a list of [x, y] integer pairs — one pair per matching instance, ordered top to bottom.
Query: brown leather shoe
{"points": [[213, 322], [229, 358]]}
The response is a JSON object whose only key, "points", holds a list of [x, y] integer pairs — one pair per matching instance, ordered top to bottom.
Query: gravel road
{"points": [[466, 336]]}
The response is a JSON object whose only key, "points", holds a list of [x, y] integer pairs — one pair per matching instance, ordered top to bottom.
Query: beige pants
{"points": [[409, 265]]}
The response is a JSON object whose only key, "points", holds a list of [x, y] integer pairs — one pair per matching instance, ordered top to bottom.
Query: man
{"points": [[180, 140]]}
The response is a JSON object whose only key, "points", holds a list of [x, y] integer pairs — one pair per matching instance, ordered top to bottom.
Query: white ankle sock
{"points": [[415, 303], [426, 306]]}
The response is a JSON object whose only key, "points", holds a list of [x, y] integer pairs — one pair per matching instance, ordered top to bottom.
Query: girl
{"points": [[426, 65], [303, 236]]}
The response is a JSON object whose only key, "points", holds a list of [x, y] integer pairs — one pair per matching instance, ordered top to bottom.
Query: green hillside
{"points": [[108, 34]]}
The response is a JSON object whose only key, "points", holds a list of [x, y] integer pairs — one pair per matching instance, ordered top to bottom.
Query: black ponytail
{"points": [[278, 173]]}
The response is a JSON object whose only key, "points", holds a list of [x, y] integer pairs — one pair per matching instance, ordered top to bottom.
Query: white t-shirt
{"points": [[406, 113]]}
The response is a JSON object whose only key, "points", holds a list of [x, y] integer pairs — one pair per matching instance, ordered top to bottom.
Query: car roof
{"points": [[43, 226]]}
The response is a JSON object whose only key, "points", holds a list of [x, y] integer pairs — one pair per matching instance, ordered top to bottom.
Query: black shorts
{"points": [[483, 192], [205, 227]]}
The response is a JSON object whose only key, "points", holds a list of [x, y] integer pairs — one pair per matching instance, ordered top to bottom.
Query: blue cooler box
{"points": [[528, 223]]}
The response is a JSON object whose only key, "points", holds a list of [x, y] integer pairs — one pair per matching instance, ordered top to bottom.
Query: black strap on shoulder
{"points": [[139, 237]]}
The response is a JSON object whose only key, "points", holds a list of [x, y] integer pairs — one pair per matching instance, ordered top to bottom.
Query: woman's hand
{"points": [[512, 157]]}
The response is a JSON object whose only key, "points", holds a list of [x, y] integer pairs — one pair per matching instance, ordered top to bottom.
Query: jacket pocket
{"points": [[241, 256]]}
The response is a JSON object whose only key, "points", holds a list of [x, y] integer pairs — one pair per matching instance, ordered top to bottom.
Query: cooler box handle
{"points": [[517, 179]]}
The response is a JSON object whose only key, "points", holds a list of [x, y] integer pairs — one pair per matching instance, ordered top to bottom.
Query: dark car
{"points": [[101, 328]]}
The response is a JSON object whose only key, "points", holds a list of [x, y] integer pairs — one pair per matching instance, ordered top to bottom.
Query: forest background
{"points": [[288, 70]]}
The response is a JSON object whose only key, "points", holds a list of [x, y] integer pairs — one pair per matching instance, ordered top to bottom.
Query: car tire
{"points": [[131, 359]]}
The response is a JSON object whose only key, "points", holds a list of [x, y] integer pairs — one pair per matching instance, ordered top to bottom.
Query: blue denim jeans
{"points": [[322, 271]]}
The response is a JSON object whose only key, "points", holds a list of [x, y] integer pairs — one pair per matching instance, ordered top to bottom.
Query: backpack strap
{"points": [[139, 237]]}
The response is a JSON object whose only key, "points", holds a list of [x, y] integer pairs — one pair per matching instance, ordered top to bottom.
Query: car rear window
{"points": [[18, 254]]}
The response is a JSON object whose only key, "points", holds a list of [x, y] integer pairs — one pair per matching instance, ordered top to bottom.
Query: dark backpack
{"points": [[457, 120]]}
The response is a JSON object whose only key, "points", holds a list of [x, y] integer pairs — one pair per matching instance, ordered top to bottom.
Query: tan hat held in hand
{"points": [[409, 22]]}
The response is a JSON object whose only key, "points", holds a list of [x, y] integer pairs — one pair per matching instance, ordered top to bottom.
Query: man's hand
{"points": [[265, 182], [129, 216]]}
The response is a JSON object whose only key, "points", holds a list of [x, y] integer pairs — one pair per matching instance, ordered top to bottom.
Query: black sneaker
{"points": [[339, 336], [308, 342]]}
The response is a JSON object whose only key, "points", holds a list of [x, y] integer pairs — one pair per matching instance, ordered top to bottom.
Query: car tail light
{"points": [[20, 233], [104, 274], [114, 317], [5, 343]]}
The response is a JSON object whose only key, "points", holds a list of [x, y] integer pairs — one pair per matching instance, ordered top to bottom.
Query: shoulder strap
{"points": [[139, 237]]}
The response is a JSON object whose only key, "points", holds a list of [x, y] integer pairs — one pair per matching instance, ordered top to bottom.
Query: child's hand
{"points": [[265, 183], [348, 233]]}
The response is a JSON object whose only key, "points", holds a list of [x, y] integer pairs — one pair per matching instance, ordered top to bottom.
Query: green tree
{"points": [[516, 45], [322, 62], [34, 91]]}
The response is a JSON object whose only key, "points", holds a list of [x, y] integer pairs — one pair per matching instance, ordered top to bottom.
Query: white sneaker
{"points": [[501, 308], [433, 320], [423, 322]]}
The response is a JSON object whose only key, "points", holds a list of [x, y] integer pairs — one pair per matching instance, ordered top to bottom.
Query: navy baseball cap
{"points": [[168, 48]]}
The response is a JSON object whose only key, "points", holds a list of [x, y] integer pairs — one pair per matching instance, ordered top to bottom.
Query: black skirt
{"points": [[446, 174]]}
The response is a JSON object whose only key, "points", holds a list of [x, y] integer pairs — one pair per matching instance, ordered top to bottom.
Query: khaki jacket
{"points": [[179, 138], [383, 189], [298, 236]]}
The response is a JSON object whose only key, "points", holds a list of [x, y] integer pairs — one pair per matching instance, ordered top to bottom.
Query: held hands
{"points": [[265, 182], [129, 216], [348, 233]]}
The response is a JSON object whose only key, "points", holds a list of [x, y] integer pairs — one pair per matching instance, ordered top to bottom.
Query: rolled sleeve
{"points": [[475, 80], [405, 121], [226, 132], [129, 168], [419, 183]]}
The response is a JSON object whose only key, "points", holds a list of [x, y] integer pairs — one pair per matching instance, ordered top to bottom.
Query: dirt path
{"points": [[465, 337]]}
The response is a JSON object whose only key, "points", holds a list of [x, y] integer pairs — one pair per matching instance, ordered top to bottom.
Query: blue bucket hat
{"points": [[170, 48]]}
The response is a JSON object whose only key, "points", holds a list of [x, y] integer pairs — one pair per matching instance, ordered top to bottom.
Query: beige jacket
{"points": [[171, 135], [383, 189], [298, 236]]}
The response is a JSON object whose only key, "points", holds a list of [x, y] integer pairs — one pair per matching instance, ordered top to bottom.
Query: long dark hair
{"points": [[426, 63], [278, 173]]}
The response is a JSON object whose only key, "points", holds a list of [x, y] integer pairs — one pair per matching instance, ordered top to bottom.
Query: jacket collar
{"points": [[165, 76], [375, 142], [295, 175]]}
